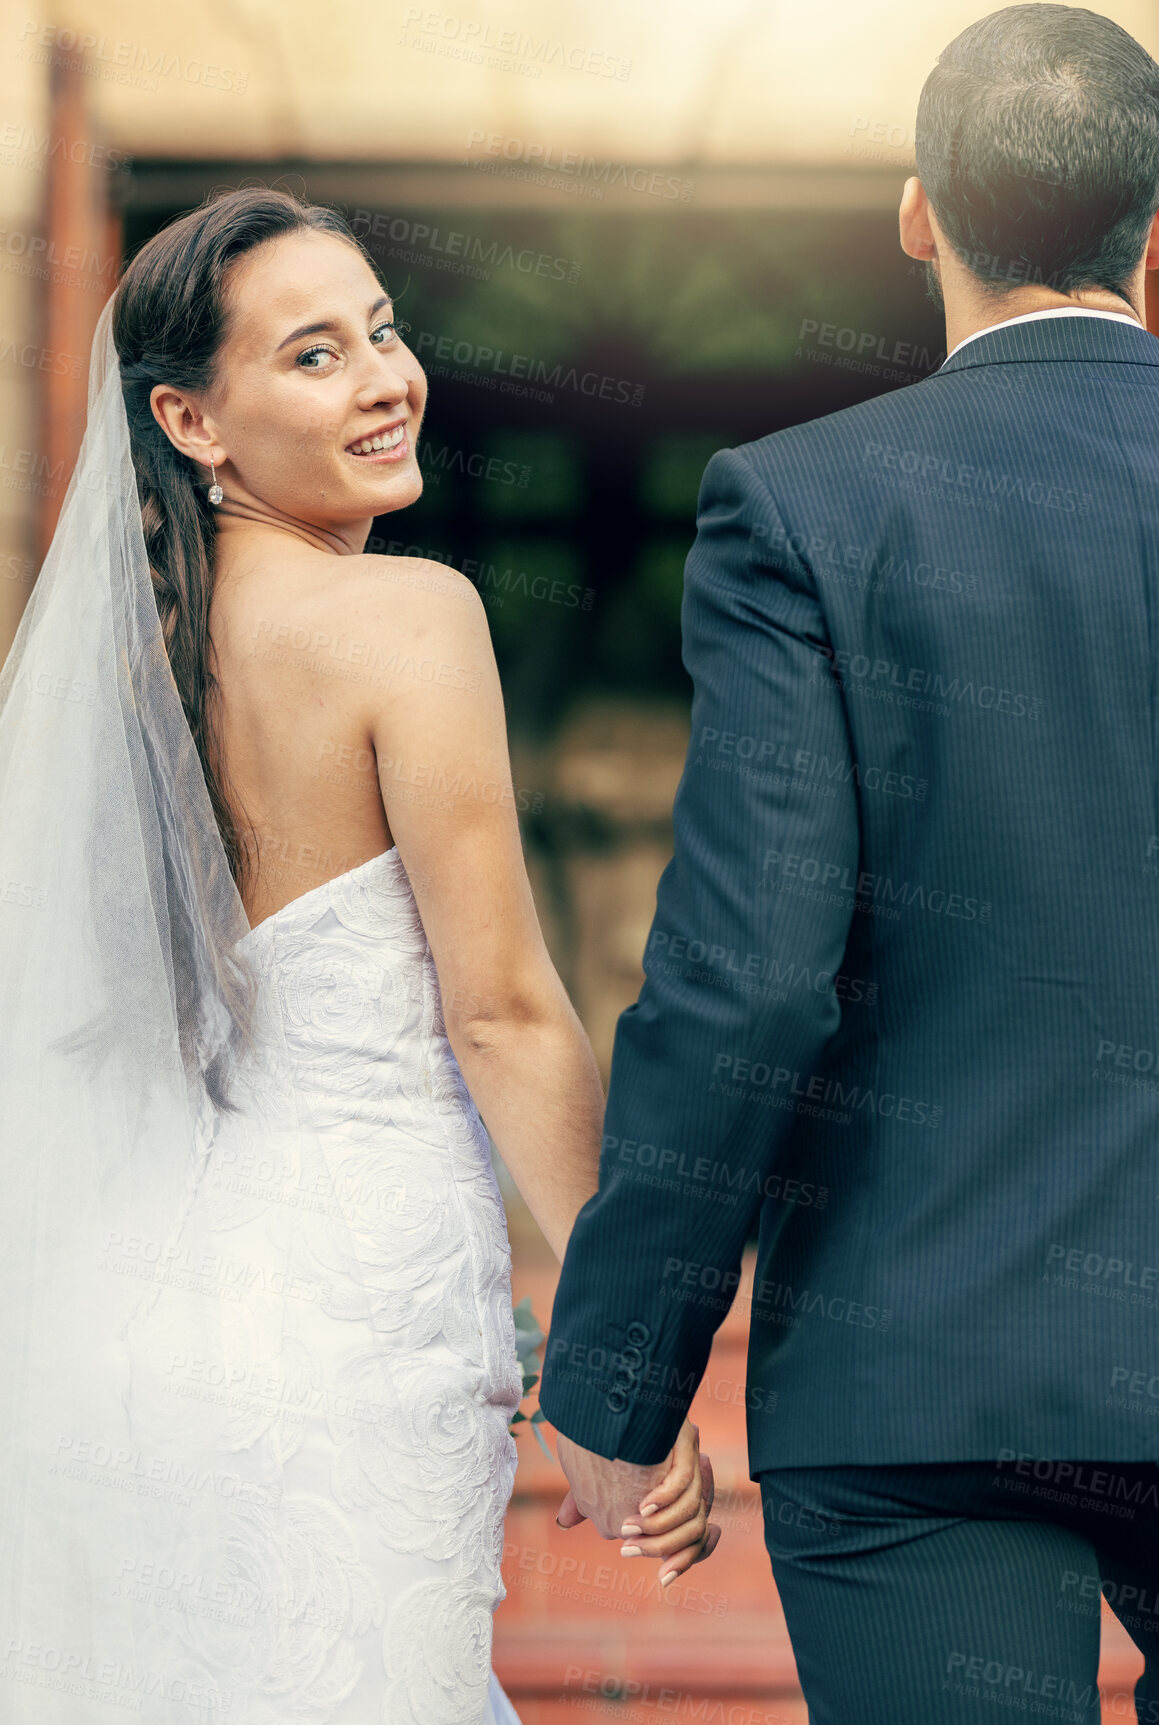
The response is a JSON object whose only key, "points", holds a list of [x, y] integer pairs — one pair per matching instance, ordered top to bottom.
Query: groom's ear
{"points": [[913, 221], [1151, 256]]}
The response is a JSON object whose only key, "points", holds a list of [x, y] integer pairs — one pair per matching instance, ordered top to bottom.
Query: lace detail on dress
{"points": [[345, 1336]]}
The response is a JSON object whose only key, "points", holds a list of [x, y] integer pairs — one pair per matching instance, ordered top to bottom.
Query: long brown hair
{"points": [[169, 324]]}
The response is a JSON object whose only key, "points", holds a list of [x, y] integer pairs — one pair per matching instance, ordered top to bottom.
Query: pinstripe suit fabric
{"points": [[902, 984]]}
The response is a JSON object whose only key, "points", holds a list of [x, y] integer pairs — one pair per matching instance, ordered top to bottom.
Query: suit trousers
{"points": [[965, 1592]]}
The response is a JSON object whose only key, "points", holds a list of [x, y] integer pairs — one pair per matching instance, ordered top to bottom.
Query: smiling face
{"points": [[317, 402]]}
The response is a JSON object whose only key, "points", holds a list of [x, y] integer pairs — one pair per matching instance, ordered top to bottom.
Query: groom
{"points": [[901, 1002]]}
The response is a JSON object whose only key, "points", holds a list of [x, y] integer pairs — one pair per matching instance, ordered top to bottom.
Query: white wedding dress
{"points": [[333, 1310], [256, 1366]]}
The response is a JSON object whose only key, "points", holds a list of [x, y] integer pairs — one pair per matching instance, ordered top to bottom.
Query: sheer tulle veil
{"points": [[124, 1013]]}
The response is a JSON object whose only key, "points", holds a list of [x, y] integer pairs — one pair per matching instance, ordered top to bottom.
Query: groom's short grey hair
{"points": [[1037, 142]]}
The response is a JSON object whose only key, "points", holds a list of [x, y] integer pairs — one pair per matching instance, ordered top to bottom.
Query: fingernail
{"points": [[648, 1508], [628, 1528], [631, 1551], [671, 1576]]}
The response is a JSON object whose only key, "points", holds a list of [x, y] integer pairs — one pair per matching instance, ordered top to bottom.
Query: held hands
{"points": [[616, 1495]]}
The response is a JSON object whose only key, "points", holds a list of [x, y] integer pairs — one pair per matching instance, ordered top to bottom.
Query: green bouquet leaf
{"points": [[528, 1336]]}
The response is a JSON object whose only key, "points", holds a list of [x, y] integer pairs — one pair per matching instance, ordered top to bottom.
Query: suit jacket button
{"points": [[638, 1333], [632, 1359], [617, 1400]]}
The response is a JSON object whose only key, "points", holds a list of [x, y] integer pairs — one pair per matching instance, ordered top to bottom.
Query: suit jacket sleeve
{"points": [[653, 1262]]}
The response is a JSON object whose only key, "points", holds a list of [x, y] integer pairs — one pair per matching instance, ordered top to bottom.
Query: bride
{"points": [[271, 959]]}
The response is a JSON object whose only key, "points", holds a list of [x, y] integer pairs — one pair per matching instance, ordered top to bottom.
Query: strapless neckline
{"points": [[316, 892]]}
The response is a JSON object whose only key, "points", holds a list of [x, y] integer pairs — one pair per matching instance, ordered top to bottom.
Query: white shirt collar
{"points": [[1052, 311]]}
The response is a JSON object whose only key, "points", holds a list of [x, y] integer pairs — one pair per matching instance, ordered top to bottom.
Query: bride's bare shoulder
{"points": [[373, 572], [322, 601], [410, 601]]}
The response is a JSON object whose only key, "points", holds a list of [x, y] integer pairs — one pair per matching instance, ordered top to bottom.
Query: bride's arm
{"points": [[439, 733], [440, 737]]}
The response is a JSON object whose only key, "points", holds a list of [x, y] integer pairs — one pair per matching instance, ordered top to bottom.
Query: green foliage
{"points": [[709, 294], [550, 466], [673, 468], [526, 582], [659, 582], [528, 1336]]}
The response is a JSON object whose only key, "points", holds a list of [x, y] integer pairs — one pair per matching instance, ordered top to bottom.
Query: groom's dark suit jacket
{"points": [[902, 985]]}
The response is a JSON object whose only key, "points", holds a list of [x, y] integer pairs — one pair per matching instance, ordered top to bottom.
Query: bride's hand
{"points": [[678, 1529]]}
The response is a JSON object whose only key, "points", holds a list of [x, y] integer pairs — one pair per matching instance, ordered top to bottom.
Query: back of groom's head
{"points": [[1037, 142]]}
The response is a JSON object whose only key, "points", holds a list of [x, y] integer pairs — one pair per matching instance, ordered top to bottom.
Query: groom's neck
{"points": [[969, 310]]}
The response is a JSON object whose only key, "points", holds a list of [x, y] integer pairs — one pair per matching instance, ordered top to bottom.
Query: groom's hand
{"points": [[660, 1509]]}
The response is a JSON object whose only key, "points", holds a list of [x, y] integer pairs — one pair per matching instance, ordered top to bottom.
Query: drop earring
{"points": [[215, 492]]}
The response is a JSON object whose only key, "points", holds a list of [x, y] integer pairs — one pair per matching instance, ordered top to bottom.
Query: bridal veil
{"points": [[135, 1506]]}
